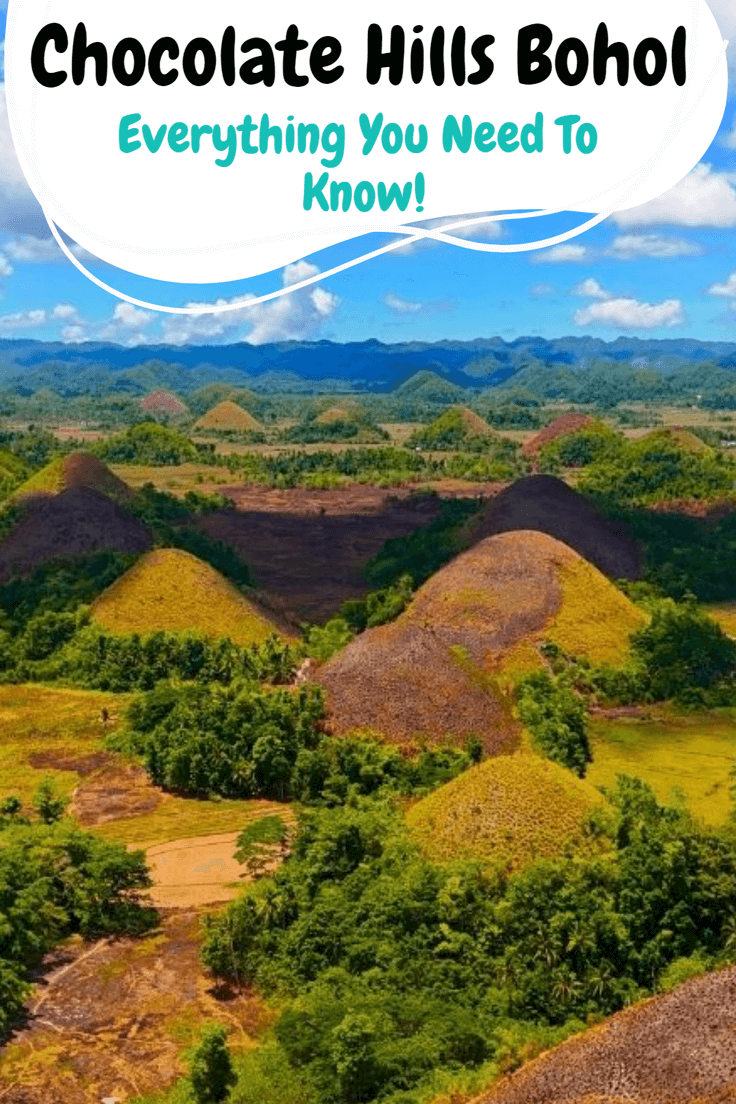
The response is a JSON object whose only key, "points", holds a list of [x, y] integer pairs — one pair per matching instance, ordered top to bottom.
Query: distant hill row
{"points": [[94, 368]]}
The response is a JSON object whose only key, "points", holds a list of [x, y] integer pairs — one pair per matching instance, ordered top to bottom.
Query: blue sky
{"points": [[667, 269]]}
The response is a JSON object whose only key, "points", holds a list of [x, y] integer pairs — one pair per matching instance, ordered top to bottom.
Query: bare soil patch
{"points": [[308, 549], [115, 791], [110, 1019], [679, 1048]]}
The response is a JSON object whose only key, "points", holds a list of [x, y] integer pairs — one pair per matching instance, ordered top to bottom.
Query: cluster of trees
{"points": [[605, 385], [356, 427], [451, 432], [152, 444], [582, 447], [385, 467], [654, 470], [424, 551], [683, 554], [63, 646], [681, 655], [555, 716], [244, 740], [55, 880], [397, 977]]}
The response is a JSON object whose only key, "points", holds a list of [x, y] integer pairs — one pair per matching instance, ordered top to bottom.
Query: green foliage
{"points": [[450, 431], [148, 443], [593, 444], [34, 448], [385, 467], [650, 471], [426, 549], [683, 554], [60, 586], [379, 606], [323, 641], [682, 648], [555, 717], [237, 741], [244, 741], [49, 805], [260, 842], [56, 879], [393, 970], [211, 1069]]}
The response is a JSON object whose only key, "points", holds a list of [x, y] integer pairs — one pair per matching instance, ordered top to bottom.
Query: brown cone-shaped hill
{"points": [[163, 402], [227, 416], [566, 423], [78, 470], [548, 505], [69, 525], [171, 590], [437, 671], [510, 809], [679, 1048]]}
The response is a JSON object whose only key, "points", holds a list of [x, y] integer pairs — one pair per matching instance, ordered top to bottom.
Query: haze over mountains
{"points": [[93, 367]]}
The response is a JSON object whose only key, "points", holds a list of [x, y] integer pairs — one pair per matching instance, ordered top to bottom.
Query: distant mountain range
{"points": [[94, 368]]}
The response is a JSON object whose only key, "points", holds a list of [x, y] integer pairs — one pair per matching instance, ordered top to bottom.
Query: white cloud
{"points": [[703, 198], [630, 247], [28, 249], [566, 253], [591, 289], [726, 290], [541, 291], [399, 304], [65, 312], [630, 314], [298, 316], [22, 320]]}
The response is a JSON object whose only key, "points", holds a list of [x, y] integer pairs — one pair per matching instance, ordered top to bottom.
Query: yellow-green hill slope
{"points": [[227, 417], [171, 590], [511, 809]]}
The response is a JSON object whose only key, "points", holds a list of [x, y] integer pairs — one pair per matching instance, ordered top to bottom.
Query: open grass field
{"points": [[177, 479], [725, 614], [53, 732], [690, 752], [186, 817]]}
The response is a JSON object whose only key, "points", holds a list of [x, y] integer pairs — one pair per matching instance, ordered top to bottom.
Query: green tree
{"points": [[682, 647], [48, 803], [211, 1068]]}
